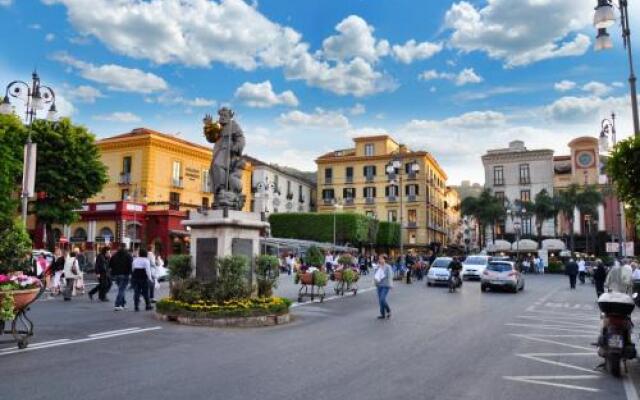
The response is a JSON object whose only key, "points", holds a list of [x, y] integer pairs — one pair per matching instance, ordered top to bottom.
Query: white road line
{"points": [[317, 301], [561, 314], [555, 320], [550, 327], [116, 331], [543, 335], [538, 339], [38, 346], [540, 358], [541, 380], [629, 387]]}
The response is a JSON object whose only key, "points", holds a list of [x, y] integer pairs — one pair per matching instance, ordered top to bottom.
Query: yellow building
{"points": [[357, 179], [154, 180], [453, 220]]}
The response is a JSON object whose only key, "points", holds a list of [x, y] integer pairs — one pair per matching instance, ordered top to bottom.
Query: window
{"points": [[369, 150], [126, 165], [369, 171], [176, 174], [349, 174], [498, 175], [328, 176], [525, 177], [206, 181], [412, 190], [391, 191], [289, 192], [369, 192], [349, 193], [125, 194], [328, 194], [525, 195], [500, 196], [174, 201], [205, 202], [370, 214], [392, 216], [412, 216], [526, 226]]}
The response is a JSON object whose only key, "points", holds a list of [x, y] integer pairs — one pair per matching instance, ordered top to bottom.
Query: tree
{"points": [[11, 141], [623, 167], [68, 171], [572, 198], [469, 207], [486, 209], [543, 209]]}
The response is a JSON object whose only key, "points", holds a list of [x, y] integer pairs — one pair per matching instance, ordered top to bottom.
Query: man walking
{"points": [[120, 266], [571, 269], [582, 270], [102, 274], [599, 277], [383, 278]]}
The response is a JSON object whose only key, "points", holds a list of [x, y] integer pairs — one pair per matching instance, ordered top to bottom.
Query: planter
{"points": [[306, 278], [22, 298], [196, 319]]}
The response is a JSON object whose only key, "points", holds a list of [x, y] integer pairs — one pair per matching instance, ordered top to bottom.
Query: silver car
{"points": [[474, 266], [439, 271], [502, 275]]}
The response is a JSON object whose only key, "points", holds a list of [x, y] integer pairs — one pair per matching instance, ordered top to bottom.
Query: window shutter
{"points": [[373, 170], [417, 190], [374, 191]]}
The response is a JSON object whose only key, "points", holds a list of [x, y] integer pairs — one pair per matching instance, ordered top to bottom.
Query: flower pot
{"points": [[306, 278], [22, 298]]}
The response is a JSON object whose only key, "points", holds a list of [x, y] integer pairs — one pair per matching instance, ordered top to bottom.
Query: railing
{"points": [[125, 178], [369, 178], [349, 179], [328, 181], [525, 181], [177, 182], [412, 197], [301, 199], [392, 199], [370, 200], [348, 201], [327, 202], [412, 225]]}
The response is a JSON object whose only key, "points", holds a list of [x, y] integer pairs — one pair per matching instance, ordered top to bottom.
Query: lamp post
{"points": [[604, 18], [35, 96], [609, 126], [337, 205], [517, 225]]}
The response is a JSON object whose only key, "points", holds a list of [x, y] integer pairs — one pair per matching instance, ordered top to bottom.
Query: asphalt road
{"points": [[468, 345]]}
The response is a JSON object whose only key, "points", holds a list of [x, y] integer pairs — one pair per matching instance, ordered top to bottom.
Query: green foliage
{"points": [[11, 142], [624, 169], [586, 201], [486, 209], [543, 209], [350, 228], [388, 234], [15, 246], [314, 257], [346, 260], [180, 266], [555, 267], [267, 272], [348, 275], [232, 278], [320, 278], [7, 307], [236, 308]]}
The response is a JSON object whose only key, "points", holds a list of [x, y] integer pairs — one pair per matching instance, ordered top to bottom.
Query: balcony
{"points": [[412, 176], [369, 178], [124, 179], [349, 179], [328, 180], [525, 181], [177, 183], [290, 196], [412, 197], [301, 199], [392, 199], [370, 200], [348, 201], [327, 202], [412, 224]]}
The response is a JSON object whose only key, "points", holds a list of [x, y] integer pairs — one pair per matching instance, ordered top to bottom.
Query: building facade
{"points": [[518, 174], [155, 179], [356, 180], [453, 220]]}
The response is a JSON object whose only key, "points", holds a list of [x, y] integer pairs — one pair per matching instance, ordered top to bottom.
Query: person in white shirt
{"points": [[289, 261], [328, 261], [582, 270], [636, 271], [154, 274], [141, 278], [619, 278]]}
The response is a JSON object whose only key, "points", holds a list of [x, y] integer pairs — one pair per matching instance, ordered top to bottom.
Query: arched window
{"points": [[80, 233], [106, 233]]}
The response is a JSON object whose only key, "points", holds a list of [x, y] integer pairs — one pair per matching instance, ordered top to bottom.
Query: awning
{"points": [[499, 245], [525, 245], [553, 245]]}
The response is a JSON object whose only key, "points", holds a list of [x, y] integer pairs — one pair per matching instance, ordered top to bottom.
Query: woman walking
{"points": [[71, 273], [599, 277], [141, 278], [383, 278]]}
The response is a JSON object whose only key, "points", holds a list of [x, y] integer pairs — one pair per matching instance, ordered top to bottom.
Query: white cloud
{"points": [[5, 3], [35, 27], [521, 32], [50, 37], [354, 39], [412, 50], [466, 76], [115, 77], [617, 84], [564, 85], [596, 88], [83, 93], [261, 95], [171, 97], [358, 109], [576, 110], [118, 117], [318, 119], [470, 120], [366, 131]]}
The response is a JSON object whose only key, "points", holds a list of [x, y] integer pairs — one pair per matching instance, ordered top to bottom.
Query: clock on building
{"points": [[585, 159]]}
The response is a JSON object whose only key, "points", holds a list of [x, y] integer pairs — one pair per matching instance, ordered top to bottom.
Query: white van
{"points": [[474, 266]]}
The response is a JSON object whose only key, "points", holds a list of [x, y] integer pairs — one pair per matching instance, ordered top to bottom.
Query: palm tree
{"points": [[572, 198], [470, 207], [543, 209]]}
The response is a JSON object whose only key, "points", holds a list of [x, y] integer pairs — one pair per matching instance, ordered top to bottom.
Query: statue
{"points": [[227, 166]]}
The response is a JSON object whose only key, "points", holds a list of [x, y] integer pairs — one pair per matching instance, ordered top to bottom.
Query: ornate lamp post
{"points": [[603, 18], [35, 96], [609, 126], [337, 205], [517, 225]]}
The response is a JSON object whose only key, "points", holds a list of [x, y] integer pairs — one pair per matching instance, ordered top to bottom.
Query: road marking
{"points": [[317, 301], [585, 307], [572, 315], [555, 320], [550, 327], [112, 332], [542, 340], [63, 342], [40, 344], [540, 357], [541, 380], [629, 387]]}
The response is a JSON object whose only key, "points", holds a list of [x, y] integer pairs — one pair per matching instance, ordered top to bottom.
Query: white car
{"points": [[474, 266], [439, 271], [502, 275]]}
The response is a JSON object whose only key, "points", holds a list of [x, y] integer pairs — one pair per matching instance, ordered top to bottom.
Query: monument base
{"points": [[222, 233]]}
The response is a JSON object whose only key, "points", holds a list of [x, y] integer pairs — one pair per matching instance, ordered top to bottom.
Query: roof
{"points": [[143, 132], [373, 137], [585, 139], [562, 158]]}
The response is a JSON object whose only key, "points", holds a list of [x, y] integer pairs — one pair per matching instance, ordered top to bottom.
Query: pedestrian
{"points": [[289, 262], [41, 264], [540, 265], [120, 266], [57, 269], [571, 269], [582, 270], [71, 273], [154, 274], [102, 275], [383, 277], [599, 277], [635, 277], [141, 278], [619, 278]]}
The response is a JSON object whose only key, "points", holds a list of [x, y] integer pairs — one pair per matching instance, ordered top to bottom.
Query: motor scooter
{"points": [[454, 281], [614, 343]]}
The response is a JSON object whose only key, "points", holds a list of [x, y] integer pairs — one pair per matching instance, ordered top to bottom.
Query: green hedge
{"points": [[350, 228], [388, 234]]}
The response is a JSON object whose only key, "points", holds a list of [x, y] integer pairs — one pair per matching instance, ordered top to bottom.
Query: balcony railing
{"points": [[412, 175], [369, 178], [124, 179], [349, 179], [328, 180], [525, 181], [177, 183], [412, 197], [301, 199], [392, 199], [370, 200], [348, 201], [327, 202], [412, 225]]}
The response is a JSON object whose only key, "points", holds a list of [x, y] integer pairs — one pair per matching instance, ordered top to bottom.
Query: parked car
{"points": [[474, 266], [439, 271], [502, 275]]}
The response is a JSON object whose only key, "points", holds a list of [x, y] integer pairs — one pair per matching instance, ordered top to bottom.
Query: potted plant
{"points": [[267, 272]]}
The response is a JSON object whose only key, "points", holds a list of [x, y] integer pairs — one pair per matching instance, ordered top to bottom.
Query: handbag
{"points": [[74, 267]]}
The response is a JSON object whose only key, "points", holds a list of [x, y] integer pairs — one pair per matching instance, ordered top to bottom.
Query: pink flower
{"points": [[4, 279]]}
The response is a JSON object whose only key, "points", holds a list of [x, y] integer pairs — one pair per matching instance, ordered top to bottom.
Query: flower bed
{"points": [[244, 312]]}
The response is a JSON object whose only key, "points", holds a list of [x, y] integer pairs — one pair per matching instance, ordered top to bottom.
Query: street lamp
{"points": [[603, 18], [35, 97], [609, 126], [337, 205], [517, 225]]}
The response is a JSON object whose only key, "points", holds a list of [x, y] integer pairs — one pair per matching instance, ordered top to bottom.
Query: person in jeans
{"points": [[120, 266], [71, 273], [154, 273], [102, 274], [141, 277], [383, 277]]}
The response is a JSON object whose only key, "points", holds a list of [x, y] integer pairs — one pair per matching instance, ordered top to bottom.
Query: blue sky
{"points": [[451, 77]]}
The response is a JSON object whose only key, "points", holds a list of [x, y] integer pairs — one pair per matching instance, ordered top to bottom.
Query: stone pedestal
{"points": [[221, 233]]}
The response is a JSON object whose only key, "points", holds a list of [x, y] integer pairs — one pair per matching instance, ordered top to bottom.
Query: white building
{"points": [[517, 173], [280, 190]]}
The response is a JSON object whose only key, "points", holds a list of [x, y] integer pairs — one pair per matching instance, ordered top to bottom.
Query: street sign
{"points": [[613, 247], [628, 249]]}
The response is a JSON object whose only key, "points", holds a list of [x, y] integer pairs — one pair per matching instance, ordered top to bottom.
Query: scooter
{"points": [[454, 281], [614, 343]]}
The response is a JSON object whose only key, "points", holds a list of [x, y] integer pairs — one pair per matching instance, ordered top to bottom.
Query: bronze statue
{"points": [[227, 165]]}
